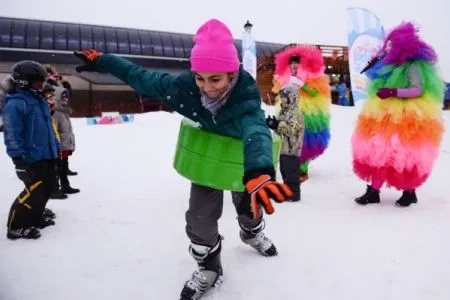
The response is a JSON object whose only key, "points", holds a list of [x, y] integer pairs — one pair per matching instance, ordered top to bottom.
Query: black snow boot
{"points": [[71, 173], [65, 184], [67, 189], [57, 193], [371, 196], [407, 198], [48, 213], [43, 222], [256, 238], [209, 273]]}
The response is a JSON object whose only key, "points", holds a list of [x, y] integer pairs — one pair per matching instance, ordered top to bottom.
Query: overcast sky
{"points": [[284, 21]]}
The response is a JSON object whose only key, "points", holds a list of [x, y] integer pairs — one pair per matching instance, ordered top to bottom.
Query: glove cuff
{"points": [[18, 161], [252, 174]]}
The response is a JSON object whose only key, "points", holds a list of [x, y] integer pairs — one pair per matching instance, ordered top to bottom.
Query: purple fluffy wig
{"points": [[406, 45]]}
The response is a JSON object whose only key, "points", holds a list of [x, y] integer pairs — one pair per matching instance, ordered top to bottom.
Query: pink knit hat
{"points": [[214, 49]]}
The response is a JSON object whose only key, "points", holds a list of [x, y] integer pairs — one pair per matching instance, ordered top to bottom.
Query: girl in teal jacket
{"points": [[224, 99]]}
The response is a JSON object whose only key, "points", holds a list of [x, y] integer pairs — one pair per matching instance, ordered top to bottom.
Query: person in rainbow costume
{"points": [[304, 67], [399, 130]]}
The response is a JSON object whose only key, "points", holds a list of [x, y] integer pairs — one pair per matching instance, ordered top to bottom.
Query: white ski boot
{"points": [[256, 238], [209, 273]]}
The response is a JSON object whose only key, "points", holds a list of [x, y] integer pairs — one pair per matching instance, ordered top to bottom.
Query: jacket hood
{"points": [[289, 97]]}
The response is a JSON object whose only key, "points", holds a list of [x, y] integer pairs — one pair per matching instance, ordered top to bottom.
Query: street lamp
{"points": [[248, 26]]}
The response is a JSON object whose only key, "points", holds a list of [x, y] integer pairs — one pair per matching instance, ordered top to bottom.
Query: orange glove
{"points": [[89, 57], [259, 191]]}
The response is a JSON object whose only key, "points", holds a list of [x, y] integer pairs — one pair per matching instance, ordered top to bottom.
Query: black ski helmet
{"points": [[26, 72]]}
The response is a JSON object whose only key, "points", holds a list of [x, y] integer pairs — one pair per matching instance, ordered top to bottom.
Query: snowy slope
{"points": [[123, 236]]}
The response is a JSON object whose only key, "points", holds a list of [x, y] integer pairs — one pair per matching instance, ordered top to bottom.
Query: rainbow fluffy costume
{"points": [[315, 106], [396, 139]]}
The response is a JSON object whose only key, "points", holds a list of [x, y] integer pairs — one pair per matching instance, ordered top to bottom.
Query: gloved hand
{"points": [[88, 57], [312, 91], [384, 93], [272, 122], [23, 171], [258, 192]]}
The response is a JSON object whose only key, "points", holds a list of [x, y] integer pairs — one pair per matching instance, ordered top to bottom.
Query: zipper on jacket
{"points": [[48, 121], [32, 131]]}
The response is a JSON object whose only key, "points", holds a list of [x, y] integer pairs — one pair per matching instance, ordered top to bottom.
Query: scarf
{"points": [[214, 104]]}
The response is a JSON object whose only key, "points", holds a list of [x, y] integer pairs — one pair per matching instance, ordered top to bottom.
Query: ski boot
{"points": [[371, 196], [407, 198], [24, 233], [256, 239], [209, 273]]}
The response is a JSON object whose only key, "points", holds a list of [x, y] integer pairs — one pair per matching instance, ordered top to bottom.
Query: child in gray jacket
{"points": [[65, 130]]}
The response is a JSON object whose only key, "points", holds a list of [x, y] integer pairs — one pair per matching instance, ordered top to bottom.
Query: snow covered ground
{"points": [[123, 236]]}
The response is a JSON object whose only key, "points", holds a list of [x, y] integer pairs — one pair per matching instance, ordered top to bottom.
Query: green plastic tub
{"points": [[213, 160]]}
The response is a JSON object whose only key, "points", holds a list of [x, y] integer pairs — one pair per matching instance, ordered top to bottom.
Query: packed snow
{"points": [[123, 236]]}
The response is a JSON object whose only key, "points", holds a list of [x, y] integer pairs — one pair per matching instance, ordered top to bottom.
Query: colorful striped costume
{"points": [[396, 139]]}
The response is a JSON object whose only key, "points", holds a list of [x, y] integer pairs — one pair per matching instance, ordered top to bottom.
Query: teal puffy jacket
{"points": [[241, 116]]}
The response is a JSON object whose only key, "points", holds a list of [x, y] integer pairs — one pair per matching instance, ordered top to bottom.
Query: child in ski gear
{"points": [[304, 67], [48, 92], [224, 99], [289, 125], [65, 130], [399, 130], [32, 145]]}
